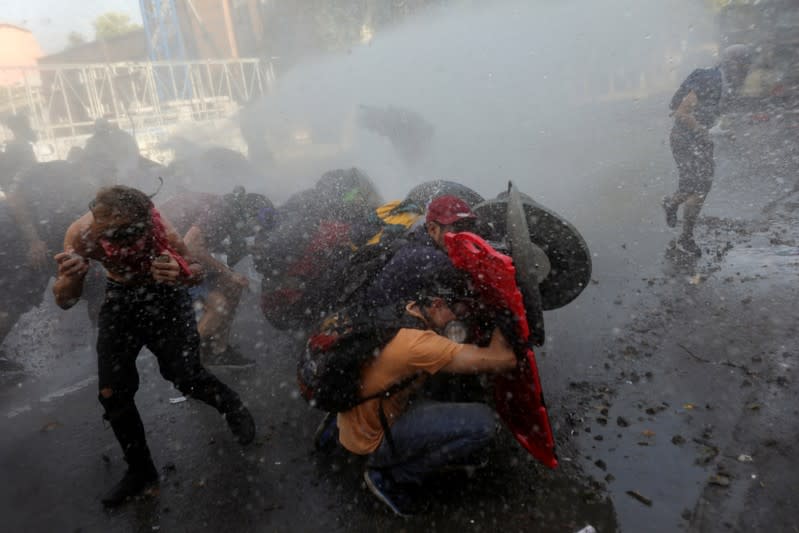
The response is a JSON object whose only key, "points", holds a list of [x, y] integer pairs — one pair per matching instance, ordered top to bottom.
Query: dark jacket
{"points": [[408, 271]]}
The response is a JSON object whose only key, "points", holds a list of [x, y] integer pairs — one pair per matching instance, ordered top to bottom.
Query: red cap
{"points": [[448, 209]]}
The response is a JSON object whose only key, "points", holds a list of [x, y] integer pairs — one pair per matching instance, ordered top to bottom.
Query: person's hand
{"points": [[37, 254], [71, 265], [165, 271], [239, 280], [498, 340], [503, 349]]}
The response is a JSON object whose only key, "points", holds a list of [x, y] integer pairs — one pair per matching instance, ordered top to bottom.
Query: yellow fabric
{"points": [[385, 210], [385, 213], [376, 239], [410, 352]]}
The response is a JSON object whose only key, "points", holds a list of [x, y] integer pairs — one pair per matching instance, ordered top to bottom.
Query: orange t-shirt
{"points": [[410, 352]]}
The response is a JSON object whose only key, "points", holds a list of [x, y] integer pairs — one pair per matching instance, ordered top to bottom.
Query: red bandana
{"points": [[138, 257]]}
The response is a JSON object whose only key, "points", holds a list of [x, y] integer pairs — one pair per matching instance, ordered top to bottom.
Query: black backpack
{"points": [[329, 370]]}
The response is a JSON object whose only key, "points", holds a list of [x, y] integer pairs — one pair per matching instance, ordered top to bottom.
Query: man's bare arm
{"points": [[684, 114], [175, 240], [195, 242], [72, 269], [497, 357]]}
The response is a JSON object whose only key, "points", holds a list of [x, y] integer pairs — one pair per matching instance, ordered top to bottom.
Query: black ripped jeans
{"points": [[161, 318]]}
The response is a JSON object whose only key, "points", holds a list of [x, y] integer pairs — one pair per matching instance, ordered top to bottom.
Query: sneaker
{"points": [[671, 212], [688, 246], [230, 358], [241, 424], [325, 438], [132, 484], [401, 499]]}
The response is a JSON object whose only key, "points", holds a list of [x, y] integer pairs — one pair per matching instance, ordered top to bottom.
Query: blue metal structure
{"points": [[162, 28], [164, 42]]}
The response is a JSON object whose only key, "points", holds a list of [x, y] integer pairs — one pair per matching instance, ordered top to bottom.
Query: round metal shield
{"points": [[567, 268]]}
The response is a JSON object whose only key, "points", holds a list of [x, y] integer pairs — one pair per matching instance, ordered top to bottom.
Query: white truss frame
{"points": [[64, 100]]}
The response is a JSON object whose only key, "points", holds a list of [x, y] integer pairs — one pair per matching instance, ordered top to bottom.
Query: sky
{"points": [[51, 20]]}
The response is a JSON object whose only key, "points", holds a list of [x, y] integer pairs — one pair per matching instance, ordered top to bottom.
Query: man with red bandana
{"points": [[146, 304]]}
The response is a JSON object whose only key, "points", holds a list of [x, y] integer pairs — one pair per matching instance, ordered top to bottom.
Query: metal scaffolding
{"points": [[65, 100]]}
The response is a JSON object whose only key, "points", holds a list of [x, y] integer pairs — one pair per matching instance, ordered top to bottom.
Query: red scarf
{"points": [[138, 257]]}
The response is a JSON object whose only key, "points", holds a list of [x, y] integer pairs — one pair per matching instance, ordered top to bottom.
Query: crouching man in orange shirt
{"points": [[424, 436]]}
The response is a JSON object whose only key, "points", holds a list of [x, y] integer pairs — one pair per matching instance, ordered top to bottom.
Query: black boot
{"points": [[205, 387], [121, 412], [241, 424], [135, 481]]}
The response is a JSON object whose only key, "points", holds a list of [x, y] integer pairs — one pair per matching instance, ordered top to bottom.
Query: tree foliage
{"points": [[112, 24], [338, 24], [293, 29]]}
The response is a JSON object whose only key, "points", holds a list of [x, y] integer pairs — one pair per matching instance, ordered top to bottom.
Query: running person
{"points": [[696, 107], [146, 304]]}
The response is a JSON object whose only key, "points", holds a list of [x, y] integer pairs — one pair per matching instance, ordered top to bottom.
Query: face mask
{"points": [[126, 234], [456, 331]]}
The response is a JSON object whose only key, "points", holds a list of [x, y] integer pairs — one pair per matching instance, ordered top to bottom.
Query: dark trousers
{"points": [[161, 318], [432, 436]]}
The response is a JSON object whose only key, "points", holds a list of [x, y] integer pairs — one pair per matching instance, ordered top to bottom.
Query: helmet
{"points": [[348, 186], [346, 195], [251, 208], [259, 210]]}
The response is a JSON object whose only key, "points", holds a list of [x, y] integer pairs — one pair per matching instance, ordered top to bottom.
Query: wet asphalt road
{"points": [[658, 378], [61, 458]]}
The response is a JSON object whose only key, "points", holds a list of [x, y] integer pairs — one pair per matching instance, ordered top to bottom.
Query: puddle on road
{"points": [[755, 259], [768, 265], [637, 454], [662, 454]]}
